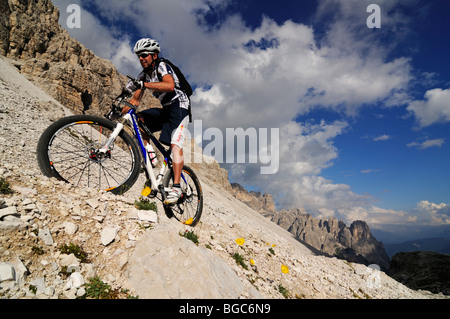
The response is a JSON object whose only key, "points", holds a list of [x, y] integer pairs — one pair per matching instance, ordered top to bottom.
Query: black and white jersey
{"points": [[166, 98]]}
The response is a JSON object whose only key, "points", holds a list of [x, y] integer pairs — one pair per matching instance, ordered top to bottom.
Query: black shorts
{"points": [[167, 120]]}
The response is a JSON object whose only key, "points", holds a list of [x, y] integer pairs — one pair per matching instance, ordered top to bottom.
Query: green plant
{"points": [[5, 188], [145, 204], [144, 226], [190, 235], [37, 250], [76, 250], [272, 251], [239, 260], [63, 273], [33, 289], [97, 289], [283, 291]]}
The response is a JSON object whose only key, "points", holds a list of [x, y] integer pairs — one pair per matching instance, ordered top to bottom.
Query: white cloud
{"points": [[434, 109], [382, 138], [427, 144], [370, 170], [425, 214], [436, 214]]}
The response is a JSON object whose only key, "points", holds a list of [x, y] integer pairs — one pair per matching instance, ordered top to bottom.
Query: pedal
{"points": [[148, 192]]}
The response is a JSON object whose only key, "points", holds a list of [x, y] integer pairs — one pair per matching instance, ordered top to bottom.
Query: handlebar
{"points": [[131, 78], [116, 109]]}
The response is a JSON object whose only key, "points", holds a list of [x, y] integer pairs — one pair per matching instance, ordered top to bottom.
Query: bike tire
{"points": [[65, 151], [189, 208]]}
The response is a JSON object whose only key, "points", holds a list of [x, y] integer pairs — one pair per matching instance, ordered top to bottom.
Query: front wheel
{"points": [[69, 150], [189, 208]]}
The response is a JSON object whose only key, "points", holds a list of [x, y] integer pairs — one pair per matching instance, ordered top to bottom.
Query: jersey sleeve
{"points": [[164, 69]]}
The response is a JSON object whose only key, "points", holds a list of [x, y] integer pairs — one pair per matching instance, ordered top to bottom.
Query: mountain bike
{"points": [[96, 152]]}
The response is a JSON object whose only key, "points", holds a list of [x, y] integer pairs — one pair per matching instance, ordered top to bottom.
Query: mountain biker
{"points": [[172, 120]]}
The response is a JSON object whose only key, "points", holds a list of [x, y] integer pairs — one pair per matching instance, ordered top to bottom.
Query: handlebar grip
{"points": [[129, 104]]}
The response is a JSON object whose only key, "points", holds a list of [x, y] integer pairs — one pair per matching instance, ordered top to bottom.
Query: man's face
{"points": [[146, 59]]}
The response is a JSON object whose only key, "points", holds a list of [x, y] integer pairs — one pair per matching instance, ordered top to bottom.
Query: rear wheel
{"points": [[69, 150], [189, 207]]}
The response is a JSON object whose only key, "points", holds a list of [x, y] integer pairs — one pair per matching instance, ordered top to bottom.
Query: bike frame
{"points": [[132, 118]]}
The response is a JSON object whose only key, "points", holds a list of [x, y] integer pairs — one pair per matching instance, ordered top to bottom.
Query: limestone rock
{"points": [[262, 203], [108, 235], [46, 236], [333, 238], [174, 267], [6, 272]]}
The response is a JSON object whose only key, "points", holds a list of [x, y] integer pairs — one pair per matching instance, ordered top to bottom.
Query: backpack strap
{"points": [[174, 68]]}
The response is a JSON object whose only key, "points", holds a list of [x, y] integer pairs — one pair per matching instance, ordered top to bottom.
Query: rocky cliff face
{"points": [[46, 54], [262, 203], [330, 236]]}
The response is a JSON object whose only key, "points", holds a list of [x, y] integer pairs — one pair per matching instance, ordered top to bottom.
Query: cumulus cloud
{"points": [[435, 108], [383, 137], [427, 144], [424, 214], [436, 214]]}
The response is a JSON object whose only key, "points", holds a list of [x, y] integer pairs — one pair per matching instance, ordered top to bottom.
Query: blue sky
{"points": [[363, 113]]}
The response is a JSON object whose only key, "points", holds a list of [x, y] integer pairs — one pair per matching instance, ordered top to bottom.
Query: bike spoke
{"points": [[73, 155]]}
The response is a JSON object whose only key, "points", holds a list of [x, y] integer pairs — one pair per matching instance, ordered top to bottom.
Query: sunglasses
{"points": [[144, 54]]}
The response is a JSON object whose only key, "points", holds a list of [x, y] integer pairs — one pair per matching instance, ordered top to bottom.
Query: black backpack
{"points": [[184, 84]]}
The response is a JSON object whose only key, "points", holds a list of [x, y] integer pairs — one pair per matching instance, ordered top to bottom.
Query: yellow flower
{"points": [[146, 191], [189, 221], [240, 241], [273, 245], [252, 262], [284, 269]]}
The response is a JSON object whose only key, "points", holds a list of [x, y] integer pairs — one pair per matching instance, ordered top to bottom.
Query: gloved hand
{"points": [[135, 84], [139, 84]]}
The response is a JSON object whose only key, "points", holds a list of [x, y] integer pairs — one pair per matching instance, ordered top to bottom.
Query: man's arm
{"points": [[166, 85], [137, 97]]}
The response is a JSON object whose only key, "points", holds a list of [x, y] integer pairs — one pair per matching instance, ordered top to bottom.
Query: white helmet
{"points": [[146, 44]]}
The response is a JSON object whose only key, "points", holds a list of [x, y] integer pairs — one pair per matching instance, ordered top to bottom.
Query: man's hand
{"points": [[139, 84]]}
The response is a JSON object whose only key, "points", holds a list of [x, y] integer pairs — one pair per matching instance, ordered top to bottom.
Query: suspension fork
{"points": [[119, 127]]}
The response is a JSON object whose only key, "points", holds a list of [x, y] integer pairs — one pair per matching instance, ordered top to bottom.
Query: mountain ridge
{"points": [[329, 237], [436, 244]]}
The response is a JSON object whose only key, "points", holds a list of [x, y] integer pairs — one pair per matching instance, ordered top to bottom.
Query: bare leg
{"points": [[178, 162]]}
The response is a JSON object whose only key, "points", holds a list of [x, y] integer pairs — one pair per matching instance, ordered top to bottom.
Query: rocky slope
{"points": [[329, 237], [139, 251]]}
